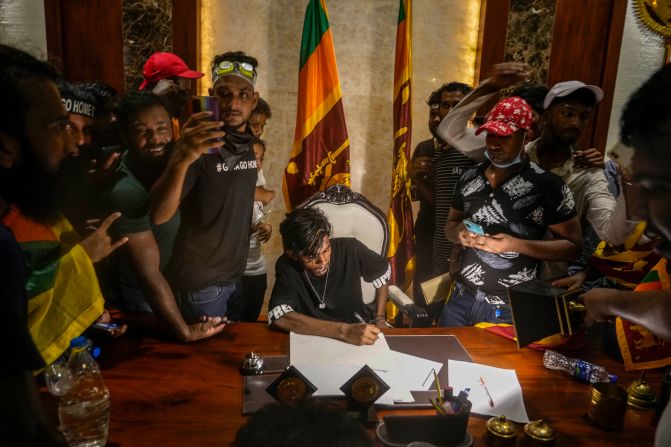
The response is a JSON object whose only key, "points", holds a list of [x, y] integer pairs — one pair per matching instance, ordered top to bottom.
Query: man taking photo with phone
{"points": [[213, 186]]}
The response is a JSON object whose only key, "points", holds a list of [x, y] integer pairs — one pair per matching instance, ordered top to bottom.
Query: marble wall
{"points": [[22, 25], [147, 28], [364, 33], [529, 36], [641, 54]]}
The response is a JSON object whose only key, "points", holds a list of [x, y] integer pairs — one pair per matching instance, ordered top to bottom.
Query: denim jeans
{"points": [[210, 301], [466, 308]]}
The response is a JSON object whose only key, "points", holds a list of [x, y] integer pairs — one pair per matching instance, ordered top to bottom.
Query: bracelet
{"points": [[380, 317]]}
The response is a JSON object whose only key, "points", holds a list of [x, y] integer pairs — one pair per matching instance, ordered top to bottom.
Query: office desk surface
{"points": [[169, 394]]}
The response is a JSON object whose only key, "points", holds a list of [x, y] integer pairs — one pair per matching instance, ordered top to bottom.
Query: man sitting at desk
{"points": [[317, 282]]}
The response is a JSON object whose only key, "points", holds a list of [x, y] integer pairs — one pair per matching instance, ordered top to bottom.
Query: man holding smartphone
{"points": [[213, 186], [514, 202], [137, 270]]}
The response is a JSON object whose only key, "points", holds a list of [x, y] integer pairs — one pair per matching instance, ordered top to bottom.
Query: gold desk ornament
{"points": [[656, 16], [291, 387], [640, 394], [607, 406], [500, 432], [539, 433]]}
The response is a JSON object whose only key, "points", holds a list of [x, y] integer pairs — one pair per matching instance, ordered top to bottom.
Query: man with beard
{"points": [[168, 76], [80, 106], [645, 125], [147, 135], [213, 185], [510, 203], [62, 293]]}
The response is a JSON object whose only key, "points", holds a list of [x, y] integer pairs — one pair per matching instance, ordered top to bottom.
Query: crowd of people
{"points": [[138, 202]]}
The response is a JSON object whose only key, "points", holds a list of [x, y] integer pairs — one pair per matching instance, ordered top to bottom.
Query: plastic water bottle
{"points": [[577, 368], [58, 377], [84, 410]]}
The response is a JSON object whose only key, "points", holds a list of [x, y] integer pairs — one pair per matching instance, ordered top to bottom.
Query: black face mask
{"points": [[236, 144]]}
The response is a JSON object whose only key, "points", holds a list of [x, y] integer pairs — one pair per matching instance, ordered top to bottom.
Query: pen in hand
{"points": [[358, 318]]}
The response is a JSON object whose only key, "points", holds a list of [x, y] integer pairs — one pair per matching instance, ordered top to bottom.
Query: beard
{"points": [[175, 103], [34, 190]]}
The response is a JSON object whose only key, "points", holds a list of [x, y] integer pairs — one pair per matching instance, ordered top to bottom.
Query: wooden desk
{"points": [[167, 394]]}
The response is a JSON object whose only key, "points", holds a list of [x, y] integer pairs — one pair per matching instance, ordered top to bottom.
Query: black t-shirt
{"points": [[522, 206], [424, 223], [213, 238], [350, 261], [20, 353]]}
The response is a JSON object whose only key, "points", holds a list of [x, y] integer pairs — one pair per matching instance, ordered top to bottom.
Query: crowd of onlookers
{"points": [[154, 202]]}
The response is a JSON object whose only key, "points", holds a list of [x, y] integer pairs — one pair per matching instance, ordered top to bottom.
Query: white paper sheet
{"points": [[329, 363], [502, 385]]}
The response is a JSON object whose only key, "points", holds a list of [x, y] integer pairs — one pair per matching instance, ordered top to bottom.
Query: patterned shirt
{"points": [[448, 165], [523, 206]]}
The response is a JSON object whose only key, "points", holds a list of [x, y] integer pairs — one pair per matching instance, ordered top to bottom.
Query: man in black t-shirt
{"points": [[214, 190], [514, 202], [318, 282]]}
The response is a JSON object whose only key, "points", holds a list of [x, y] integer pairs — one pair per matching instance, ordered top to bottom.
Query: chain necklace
{"points": [[322, 299]]}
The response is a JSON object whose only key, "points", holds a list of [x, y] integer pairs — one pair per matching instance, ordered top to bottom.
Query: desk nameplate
{"points": [[439, 348]]}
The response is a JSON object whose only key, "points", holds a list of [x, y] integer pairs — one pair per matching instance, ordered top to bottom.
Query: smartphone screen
{"points": [[473, 227]]}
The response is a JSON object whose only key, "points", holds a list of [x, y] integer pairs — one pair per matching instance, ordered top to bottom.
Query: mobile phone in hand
{"points": [[262, 218], [473, 227]]}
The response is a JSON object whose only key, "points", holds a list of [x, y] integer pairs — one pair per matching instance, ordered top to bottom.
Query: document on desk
{"points": [[329, 363], [489, 385]]}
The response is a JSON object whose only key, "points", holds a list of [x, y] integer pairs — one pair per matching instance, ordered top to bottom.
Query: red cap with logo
{"points": [[165, 66], [507, 116]]}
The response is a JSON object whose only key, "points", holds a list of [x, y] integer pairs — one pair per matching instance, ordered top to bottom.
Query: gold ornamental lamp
{"points": [[656, 16]]}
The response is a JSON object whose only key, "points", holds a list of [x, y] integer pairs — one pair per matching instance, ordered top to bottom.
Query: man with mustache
{"points": [[645, 126], [213, 186], [515, 202], [138, 281], [48, 288]]}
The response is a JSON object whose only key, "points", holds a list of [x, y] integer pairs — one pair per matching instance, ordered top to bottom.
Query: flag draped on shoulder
{"points": [[320, 154], [401, 232], [641, 349]]}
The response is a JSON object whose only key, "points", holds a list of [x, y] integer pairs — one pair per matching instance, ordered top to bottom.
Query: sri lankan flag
{"points": [[320, 154], [401, 232], [64, 298], [640, 348]]}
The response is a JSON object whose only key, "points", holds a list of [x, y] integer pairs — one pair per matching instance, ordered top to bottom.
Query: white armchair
{"points": [[352, 215]]}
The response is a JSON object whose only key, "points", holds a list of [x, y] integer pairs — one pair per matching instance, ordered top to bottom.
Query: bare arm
{"points": [[454, 128], [197, 138], [264, 195], [454, 225], [565, 247], [144, 257], [381, 296], [651, 309], [356, 334]]}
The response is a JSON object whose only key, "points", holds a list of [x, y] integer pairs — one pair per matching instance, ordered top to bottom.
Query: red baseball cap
{"points": [[164, 66], [507, 116]]}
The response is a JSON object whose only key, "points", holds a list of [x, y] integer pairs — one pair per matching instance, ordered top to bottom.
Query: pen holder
{"points": [[441, 429]]}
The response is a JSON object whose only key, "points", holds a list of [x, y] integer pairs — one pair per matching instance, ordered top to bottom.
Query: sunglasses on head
{"points": [[244, 68]]}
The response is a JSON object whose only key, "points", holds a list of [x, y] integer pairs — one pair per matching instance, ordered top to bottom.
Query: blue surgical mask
{"points": [[517, 160]]}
